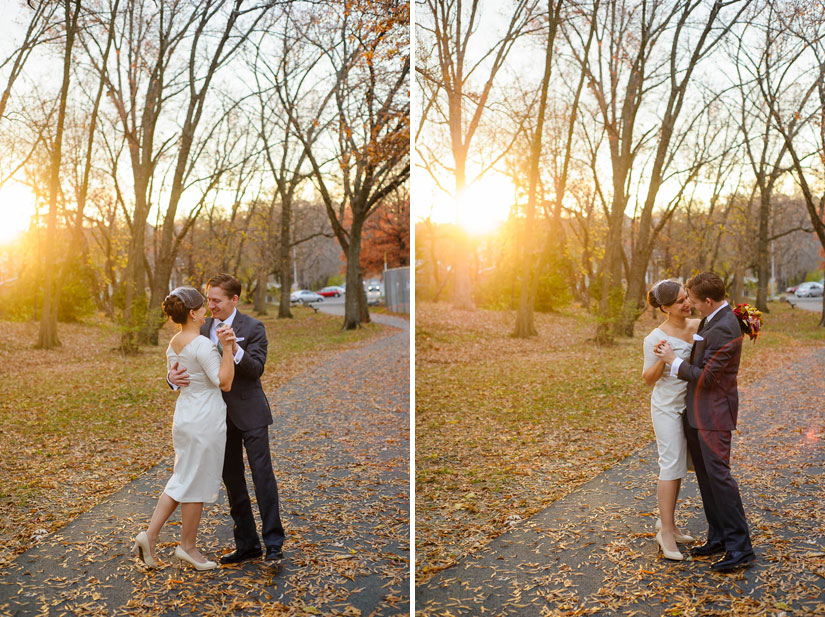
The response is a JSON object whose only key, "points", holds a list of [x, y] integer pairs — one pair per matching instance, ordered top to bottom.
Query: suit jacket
{"points": [[712, 393], [246, 404]]}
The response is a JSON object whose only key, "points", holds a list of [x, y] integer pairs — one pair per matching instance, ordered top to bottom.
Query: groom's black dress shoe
{"points": [[707, 549], [274, 554], [239, 556], [733, 559]]}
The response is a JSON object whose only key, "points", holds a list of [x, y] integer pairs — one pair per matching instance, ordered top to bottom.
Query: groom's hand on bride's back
{"points": [[178, 376]]}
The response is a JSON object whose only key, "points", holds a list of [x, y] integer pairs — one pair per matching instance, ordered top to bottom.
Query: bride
{"points": [[667, 406], [198, 428]]}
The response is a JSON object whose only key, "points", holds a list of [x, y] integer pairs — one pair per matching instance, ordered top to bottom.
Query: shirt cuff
{"points": [[239, 355], [674, 368], [171, 385]]}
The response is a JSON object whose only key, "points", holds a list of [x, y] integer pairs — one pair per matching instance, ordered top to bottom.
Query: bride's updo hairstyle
{"points": [[663, 293], [180, 301]]}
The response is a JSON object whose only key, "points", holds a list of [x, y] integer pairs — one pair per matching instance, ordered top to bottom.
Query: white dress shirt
{"points": [[674, 368]]}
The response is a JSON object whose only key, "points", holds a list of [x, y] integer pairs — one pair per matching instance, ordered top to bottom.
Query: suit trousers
{"points": [[256, 443], [710, 451]]}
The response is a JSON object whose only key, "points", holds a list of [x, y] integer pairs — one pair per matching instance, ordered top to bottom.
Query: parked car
{"points": [[809, 290], [332, 292], [373, 294], [304, 296]]}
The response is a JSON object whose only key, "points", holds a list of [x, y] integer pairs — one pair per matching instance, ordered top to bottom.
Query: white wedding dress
{"points": [[667, 406], [199, 426]]}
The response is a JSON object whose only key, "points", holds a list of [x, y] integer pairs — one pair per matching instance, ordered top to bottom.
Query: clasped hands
{"points": [[226, 335], [664, 351], [179, 376]]}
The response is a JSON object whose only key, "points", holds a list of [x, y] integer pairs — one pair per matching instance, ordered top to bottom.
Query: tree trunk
{"points": [[167, 252], [763, 258], [285, 260], [610, 274], [355, 288], [260, 290], [737, 290], [133, 296], [462, 296], [134, 303], [634, 303], [363, 306], [155, 317], [525, 319], [525, 326], [47, 337]]}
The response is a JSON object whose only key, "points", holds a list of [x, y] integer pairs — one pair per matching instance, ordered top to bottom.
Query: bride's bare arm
{"points": [[652, 374]]}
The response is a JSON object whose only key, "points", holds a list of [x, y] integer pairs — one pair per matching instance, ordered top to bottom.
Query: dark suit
{"points": [[712, 408], [247, 426]]}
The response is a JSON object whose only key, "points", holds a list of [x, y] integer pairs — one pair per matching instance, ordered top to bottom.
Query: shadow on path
{"points": [[340, 448], [594, 553]]}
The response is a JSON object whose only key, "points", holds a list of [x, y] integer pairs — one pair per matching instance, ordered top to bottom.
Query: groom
{"points": [[712, 406], [247, 425]]}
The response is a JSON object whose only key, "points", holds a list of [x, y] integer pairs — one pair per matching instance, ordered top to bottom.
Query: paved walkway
{"points": [[808, 304], [336, 307], [340, 445], [593, 552]]}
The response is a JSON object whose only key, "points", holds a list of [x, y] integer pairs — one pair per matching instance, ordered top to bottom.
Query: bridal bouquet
{"points": [[750, 320]]}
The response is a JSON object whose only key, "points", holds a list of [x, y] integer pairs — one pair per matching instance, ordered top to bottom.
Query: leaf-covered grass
{"points": [[80, 421], [506, 426]]}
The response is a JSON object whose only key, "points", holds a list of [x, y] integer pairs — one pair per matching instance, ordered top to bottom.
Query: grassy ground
{"points": [[385, 311], [79, 422], [506, 426]]}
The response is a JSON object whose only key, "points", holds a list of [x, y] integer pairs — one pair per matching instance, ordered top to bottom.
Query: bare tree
{"points": [[238, 24], [803, 31], [37, 33], [367, 48], [759, 53], [168, 55], [647, 55], [448, 84], [286, 90], [82, 140], [561, 151], [525, 326], [47, 337]]}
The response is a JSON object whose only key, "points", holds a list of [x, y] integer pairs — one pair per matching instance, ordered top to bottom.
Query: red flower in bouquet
{"points": [[750, 320]]}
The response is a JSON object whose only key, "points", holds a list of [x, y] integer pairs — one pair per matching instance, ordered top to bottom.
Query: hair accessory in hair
{"points": [[656, 290], [666, 291], [190, 296]]}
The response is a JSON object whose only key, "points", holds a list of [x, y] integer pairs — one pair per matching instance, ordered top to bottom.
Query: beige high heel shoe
{"points": [[679, 537], [143, 551], [672, 555], [182, 556]]}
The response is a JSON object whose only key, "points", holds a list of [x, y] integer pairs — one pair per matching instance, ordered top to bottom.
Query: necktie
{"points": [[702, 324], [220, 347]]}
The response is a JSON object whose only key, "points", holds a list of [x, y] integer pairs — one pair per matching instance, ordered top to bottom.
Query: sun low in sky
{"points": [[485, 205], [16, 210]]}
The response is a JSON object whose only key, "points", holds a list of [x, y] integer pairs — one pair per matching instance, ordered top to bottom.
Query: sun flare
{"points": [[483, 207], [16, 208]]}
